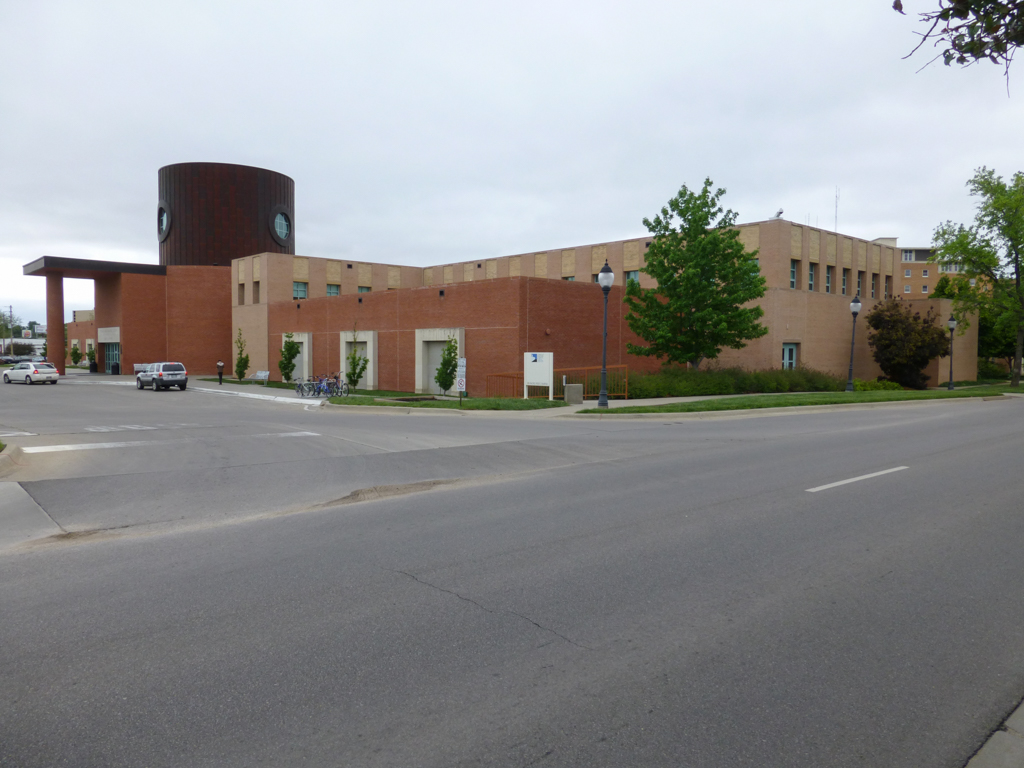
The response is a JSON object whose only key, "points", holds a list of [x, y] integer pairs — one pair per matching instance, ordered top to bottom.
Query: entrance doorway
{"points": [[432, 351], [789, 356], [112, 358]]}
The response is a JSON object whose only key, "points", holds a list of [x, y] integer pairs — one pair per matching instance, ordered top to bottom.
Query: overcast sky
{"points": [[430, 132]]}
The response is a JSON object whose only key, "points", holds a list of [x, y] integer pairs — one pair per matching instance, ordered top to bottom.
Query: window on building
{"points": [[908, 255], [793, 264], [812, 270], [906, 273], [924, 273], [634, 275], [569, 278], [828, 279], [846, 280], [973, 281], [860, 283], [874, 285], [364, 289], [906, 289], [924, 289], [299, 290], [333, 290], [256, 292], [241, 294], [789, 356]]}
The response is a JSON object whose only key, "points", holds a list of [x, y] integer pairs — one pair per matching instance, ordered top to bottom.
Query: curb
{"points": [[396, 409], [746, 413], [9, 459], [1005, 747]]}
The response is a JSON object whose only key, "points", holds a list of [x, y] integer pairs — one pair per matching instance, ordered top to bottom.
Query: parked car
{"points": [[30, 373], [162, 376]]}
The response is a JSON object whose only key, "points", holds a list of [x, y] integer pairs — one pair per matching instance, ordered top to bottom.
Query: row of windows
{"points": [[812, 273], [300, 290]]}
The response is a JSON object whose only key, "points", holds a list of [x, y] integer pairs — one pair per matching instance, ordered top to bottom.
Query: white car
{"points": [[30, 373]]}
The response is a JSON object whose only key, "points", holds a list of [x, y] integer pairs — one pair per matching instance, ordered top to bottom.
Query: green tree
{"points": [[968, 31], [990, 251], [704, 276], [997, 336], [903, 343], [290, 350], [76, 355], [241, 359], [356, 364], [445, 376]]}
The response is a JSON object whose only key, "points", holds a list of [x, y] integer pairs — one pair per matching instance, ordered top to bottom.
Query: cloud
{"points": [[430, 133]]}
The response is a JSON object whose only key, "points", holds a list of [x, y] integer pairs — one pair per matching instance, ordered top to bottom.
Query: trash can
{"points": [[115, 369]]}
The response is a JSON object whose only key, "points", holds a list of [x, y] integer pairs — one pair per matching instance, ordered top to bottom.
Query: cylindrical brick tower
{"points": [[211, 213]]}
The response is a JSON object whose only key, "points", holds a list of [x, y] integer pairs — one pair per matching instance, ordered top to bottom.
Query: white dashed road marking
{"points": [[855, 479]]}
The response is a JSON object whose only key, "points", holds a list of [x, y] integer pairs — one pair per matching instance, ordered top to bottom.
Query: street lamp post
{"points": [[605, 277], [855, 309], [952, 327]]}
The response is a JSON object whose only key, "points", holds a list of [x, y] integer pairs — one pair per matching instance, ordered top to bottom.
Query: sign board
{"points": [[40, 328], [26, 334], [109, 335], [539, 371], [460, 375]]}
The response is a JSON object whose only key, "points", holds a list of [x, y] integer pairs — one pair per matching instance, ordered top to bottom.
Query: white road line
{"points": [[253, 396], [17, 434], [139, 443], [95, 446], [854, 479]]}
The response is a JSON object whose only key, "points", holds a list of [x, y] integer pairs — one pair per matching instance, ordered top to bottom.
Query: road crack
{"points": [[484, 608]]}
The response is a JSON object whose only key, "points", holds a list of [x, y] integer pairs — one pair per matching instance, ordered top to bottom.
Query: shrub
{"points": [[903, 343], [989, 370], [680, 382], [859, 385]]}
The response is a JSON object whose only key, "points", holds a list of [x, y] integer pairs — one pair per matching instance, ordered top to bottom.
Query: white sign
{"points": [[40, 328], [26, 334], [108, 335], [460, 371], [539, 371], [460, 384]]}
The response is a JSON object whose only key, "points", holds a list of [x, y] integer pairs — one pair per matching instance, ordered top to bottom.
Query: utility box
{"points": [[574, 394]]}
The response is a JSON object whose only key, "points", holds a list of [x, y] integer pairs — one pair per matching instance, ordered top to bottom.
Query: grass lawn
{"points": [[811, 398], [468, 404]]}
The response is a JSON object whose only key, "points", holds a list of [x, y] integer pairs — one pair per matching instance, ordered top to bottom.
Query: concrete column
{"points": [[55, 351]]}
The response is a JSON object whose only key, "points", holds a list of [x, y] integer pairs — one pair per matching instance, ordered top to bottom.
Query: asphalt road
{"points": [[578, 593]]}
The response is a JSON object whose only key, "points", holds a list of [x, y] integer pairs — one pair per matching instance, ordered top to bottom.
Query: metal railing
{"points": [[511, 384]]}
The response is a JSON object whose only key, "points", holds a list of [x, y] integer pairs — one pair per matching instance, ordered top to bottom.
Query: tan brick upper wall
{"points": [[777, 242]]}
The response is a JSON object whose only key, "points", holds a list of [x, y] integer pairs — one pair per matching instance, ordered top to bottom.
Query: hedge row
{"points": [[681, 382]]}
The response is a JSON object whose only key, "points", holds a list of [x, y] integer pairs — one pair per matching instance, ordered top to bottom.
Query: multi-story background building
{"points": [[228, 262]]}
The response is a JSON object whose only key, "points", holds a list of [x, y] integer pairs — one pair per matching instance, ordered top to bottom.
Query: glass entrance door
{"points": [[111, 356], [788, 357]]}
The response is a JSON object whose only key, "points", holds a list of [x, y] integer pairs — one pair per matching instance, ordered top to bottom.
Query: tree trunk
{"points": [[1015, 380]]}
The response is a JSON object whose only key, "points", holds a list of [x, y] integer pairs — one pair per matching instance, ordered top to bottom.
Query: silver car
{"points": [[30, 373], [162, 376]]}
